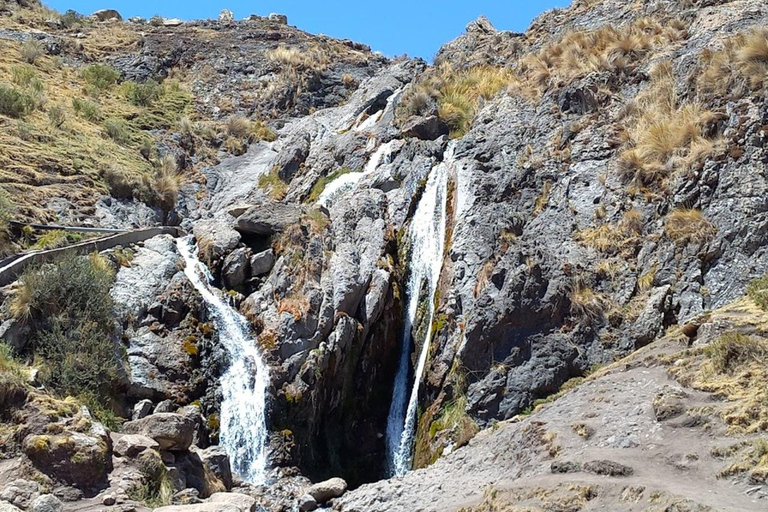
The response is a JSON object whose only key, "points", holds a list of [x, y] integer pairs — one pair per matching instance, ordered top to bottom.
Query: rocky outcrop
{"points": [[268, 218], [171, 431]]}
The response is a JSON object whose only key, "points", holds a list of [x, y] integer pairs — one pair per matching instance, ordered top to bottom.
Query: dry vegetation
{"points": [[738, 69], [664, 135], [686, 226], [615, 238]]}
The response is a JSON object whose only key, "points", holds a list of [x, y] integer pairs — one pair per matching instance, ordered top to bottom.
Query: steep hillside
{"points": [[511, 280]]}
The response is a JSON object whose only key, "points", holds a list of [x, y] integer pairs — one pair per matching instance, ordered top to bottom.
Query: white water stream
{"points": [[427, 243], [244, 385]]}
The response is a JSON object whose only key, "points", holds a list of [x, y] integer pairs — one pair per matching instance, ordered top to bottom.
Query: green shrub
{"points": [[72, 19], [31, 50], [26, 76], [100, 77], [142, 95], [14, 103], [86, 109], [57, 116], [118, 130], [125, 184], [6, 210], [758, 292], [72, 316], [733, 350], [13, 378], [156, 489]]}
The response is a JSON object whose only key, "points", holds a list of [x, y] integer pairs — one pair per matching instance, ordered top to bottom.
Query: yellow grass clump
{"points": [[740, 68], [686, 226], [614, 238]]}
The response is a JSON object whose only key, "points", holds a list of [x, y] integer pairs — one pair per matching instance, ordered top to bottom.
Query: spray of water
{"points": [[427, 242], [244, 385]]}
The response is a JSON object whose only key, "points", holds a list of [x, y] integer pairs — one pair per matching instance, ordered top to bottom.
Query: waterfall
{"points": [[427, 243], [244, 385]]}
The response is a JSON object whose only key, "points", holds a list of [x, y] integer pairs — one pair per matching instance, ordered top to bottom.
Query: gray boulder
{"points": [[107, 15], [226, 16], [268, 218], [214, 240], [262, 263], [236, 268], [14, 334], [165, 406], [142, 409], [172, 431], [131, 445], [217, 461], [327, 490], [20, 493], [241, 501], [46, 503], [307, 503], [7, 507]]}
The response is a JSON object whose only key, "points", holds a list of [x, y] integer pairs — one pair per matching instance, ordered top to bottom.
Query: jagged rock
{"points": [[107, 15], [226, 16], [137, 19], [281, 19], [481, 24], [425, 128], [268, 218], [215, 239], [262, 263], [236, 268], [15, 334], [165, 406], [142, 409], [172, 431], [131, 445], [78, 459], [217, 460], [607, 468], [327, 490], [20, 493], [189, 496], [241, 501], [46, 503], [307, 503], [7, 507]]}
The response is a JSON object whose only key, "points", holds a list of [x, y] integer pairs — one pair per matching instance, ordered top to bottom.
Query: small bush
{"points": [[72, 19], [31, 50], [293, 58], [740, 68], [26, 76], [100, 77], [142, 94], [14, 103], [86, 109], [57, 116], [117, 130], [123, 183], [166, 183], [278, 189], [7, 210], [686, 226], [55, 239], [758, 292], [586, 303], [733, 350], [13, 378], [156, 489]]}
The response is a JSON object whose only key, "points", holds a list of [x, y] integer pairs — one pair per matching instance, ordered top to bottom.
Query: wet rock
{"points": [[107, 15], [281, 19], [425, 128], [268, 218], [215, 239], [262, 263], [236, 268], [669, 403], [142, 409], [172, 431], [131, 445], [78, 459], [217, 460], [607, 468], [322, 492], [20, 493], [241, 501], [46, 503], [307, 503]]}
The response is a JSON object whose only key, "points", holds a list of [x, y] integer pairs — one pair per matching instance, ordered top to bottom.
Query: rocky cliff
{"points": [[605, 190]]}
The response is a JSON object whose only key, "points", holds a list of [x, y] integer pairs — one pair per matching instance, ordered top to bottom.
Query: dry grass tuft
{"points": [[312, 59], [739, 69], [664, 136], [278, 189], [686, 226], [616, 238], [586, 303]]}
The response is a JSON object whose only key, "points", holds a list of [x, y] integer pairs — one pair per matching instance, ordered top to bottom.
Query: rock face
{"points": [[268, 218], [171, 431], [132, 445], [76, 458]]}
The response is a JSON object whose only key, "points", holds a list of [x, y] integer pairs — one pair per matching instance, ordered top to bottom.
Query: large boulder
{"points": [[107, 15], [226, 16], [280, 19], [425, 128], [268, 218], [215, 239], [262, 263], [236, 268], [173, 432], [131, 445], [75, 458], [217, 460], [327, 490], [19, 493], [241, 501], [46, 503], [7, 507]]}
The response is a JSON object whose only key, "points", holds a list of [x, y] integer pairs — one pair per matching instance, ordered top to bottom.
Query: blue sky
{"points": [[394, 27]]}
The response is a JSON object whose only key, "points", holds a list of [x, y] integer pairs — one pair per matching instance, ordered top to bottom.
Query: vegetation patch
{"points": [[739, 69], [271, 181], [320, 184], [686, 226], [619, 238], [758, 292], [156, 489]]}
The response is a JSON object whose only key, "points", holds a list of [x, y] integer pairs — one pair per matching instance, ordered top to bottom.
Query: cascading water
{"points": [[427, 242], [244, 385]]}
